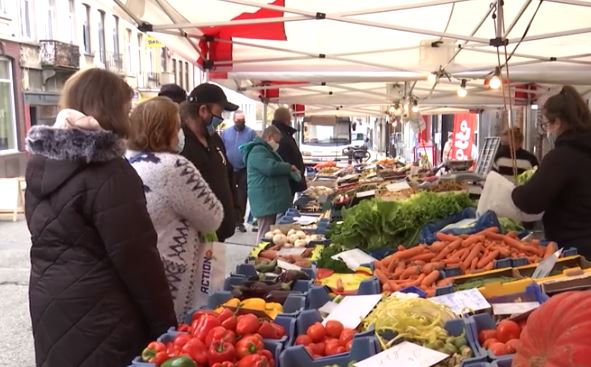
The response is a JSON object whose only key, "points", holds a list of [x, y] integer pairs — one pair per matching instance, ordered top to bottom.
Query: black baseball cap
{"points": [[174, 92], [211, 93]]}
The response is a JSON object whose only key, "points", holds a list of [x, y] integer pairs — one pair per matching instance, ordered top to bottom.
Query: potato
{"points": [[277, 231], [291, 232], [269, 235], [301, 235], [292, 238], [279, 239], [300, 243]]}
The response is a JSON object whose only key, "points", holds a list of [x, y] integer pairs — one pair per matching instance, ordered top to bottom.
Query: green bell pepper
{"points": [[182, 361]]}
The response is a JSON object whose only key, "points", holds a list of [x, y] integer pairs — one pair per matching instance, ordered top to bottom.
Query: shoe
{"points": [[241, 228], [255, 229]]}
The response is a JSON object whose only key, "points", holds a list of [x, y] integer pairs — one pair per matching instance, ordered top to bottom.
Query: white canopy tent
{"points": [[357, 57]]}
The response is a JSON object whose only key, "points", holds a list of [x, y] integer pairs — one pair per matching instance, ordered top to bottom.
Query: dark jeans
{"points": [[241, 187]]}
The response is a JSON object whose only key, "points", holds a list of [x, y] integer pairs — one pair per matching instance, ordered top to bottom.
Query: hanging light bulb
{"points": [[432, 78], [495, 81], [462, 91], [415, 106], [391, 109]]}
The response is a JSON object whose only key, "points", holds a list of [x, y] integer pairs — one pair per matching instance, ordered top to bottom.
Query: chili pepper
{"points": [[225, 314], [230, 323], [247, 324], [204, 325], [220, 333], [250, 344], [151, 350], [197, 350], [221, 352], [254, 360], [182, 361], [224, 364]]}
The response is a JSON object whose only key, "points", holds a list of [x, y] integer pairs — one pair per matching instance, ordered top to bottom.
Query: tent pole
{"points": [[572, 2], [129, 13], [519, 15], [162, 27], [537, 37], [265, 120]]}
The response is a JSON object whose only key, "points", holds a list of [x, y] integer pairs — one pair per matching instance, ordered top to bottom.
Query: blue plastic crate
{"points": [[503, 263], [247, 270], [453, 271], [234, 280], [415, 290], [440, 291], [533, 293], [317, 296], [479, 322], [297, 356], [505, 361], [137, 362], [475, 363]]}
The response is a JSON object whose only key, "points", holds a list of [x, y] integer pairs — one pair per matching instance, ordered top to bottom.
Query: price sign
{"points": [[463, 139]]}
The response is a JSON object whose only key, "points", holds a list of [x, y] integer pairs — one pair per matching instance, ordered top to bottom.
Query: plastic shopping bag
{"points": [[496, 196], [212, 268]]}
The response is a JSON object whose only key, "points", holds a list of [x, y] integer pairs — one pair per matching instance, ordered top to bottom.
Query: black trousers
{"points": [[242, 194]]}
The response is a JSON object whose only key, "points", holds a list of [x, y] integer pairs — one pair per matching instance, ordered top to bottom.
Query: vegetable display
{"points": [[375, 224], [420, 266], [417, 320], [558, 333], [326, 340], [502, 340]]}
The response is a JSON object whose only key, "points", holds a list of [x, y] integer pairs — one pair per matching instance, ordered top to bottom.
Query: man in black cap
{"points": [[174, 92], [201, 116]]}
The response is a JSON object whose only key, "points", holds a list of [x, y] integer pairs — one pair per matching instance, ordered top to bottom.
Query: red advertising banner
{"points": [[463, 139]]}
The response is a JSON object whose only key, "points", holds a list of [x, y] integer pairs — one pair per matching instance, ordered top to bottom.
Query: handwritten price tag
{"points": [[405, 354]]}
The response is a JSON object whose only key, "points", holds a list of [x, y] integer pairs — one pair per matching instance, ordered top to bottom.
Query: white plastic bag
{"points": [[496, 196], [212, 268]]}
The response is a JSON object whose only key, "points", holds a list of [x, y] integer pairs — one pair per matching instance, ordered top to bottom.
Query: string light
{"points": [[431, 78], [495, 81], [462, 91], [415, 106]]}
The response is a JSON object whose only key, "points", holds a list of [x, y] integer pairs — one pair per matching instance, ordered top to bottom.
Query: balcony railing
{"points": [[59, 54], [115, 63], [154, 77]]}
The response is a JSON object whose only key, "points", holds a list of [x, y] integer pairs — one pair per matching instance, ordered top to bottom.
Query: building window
{"points": [[25, 11], [50, 19], [72, 20], [86, 29], [116, 36], [101, 37], [140, 41], [129, 52], [163, 59], [174, 70], [180, 77], [187, 86], [8, 136]]}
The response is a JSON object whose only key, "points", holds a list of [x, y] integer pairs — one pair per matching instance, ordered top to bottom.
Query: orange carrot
{"points": [[488, 230], [494, 236], [446, 237], [473, 240], [516, 244], [438, 246], [551, 248], [447, 249], [408, 253], [458, 254], [473, 255], [427, 256], [485, 260], [418, 262], [474, 263], [379, 265], [393, 265], [438, 265], [427, 268], [399, 269], [410, 271], [381, 276], [430, 279], [417, 282], [444, 282], [393, 285], [387, 288], [430, 292]]}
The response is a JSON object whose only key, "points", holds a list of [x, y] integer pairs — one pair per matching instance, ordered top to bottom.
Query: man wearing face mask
{"points": [[201, 116], [233, 138], [268, 176]]}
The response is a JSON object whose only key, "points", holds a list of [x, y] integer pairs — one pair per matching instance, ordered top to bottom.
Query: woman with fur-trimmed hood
{"points": [[97, 291]]}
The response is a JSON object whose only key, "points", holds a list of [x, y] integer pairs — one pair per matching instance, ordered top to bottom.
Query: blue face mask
{"points": [[214, 123]]}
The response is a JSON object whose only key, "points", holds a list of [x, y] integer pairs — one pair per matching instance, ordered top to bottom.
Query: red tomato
{"points": [[334, 328], [507, 330], [316, 332], [486, 334], [347, 335], [303, 340], [488, 342], [349, 345], [513, 345], [332, 346], [318, 348], [499, 349], [342, 350]]}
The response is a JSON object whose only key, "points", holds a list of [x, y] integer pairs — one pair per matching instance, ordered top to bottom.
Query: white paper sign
{"points": [[398, 186], [365, 194], [305, 220], [288, 251], [354, 258], [287, 266], [462, 302], [328, 307], [514, 308], [353, 309], [405, 354]]}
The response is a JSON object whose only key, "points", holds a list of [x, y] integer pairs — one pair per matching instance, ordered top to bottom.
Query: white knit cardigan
{"points": [[182, 206]]}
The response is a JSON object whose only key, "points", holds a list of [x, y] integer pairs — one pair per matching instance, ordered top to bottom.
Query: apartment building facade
{"points": [[43, 42]]}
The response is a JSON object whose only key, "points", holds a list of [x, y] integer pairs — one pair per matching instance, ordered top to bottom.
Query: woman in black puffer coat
{"points": [[97, 292]]}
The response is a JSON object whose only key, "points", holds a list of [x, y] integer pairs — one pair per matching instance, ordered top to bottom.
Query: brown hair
{"points": [[102, 95], [570, 108], [154, 123], [271, 132], [514, 133]]}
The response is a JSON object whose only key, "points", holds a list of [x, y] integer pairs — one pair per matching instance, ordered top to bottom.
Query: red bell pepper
{"points": [[198, 314], [225, 314], [230, 323], [247, 324], [204, 325], [184, 328], [267, 331], [220, 333], [181, 340], [250, 344], [151, 350], [197, 350], [221, 351], [267, 353], [160, 358], [254, 360], [224, 364]]}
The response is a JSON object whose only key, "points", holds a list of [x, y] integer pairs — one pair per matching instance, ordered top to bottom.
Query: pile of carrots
{"points": [[420, 266]]}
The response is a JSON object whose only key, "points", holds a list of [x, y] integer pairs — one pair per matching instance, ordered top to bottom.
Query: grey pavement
{"points": [[16, 339]]}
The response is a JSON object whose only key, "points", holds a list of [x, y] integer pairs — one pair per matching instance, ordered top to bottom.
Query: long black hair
{"points": [[570, 108]]}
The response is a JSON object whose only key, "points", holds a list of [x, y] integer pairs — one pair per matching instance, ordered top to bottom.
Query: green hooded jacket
{"points": [[268, 176]]}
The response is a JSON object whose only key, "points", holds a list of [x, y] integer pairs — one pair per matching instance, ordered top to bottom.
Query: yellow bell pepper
{"points": [[233, 302], [254, 304], [272, 309]]}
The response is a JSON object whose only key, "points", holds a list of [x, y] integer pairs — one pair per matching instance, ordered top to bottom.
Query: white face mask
{"points": [[551, 136], [181, 144], [274, 145]]}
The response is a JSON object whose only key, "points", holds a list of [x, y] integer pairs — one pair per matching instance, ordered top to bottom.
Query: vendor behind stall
{"points": [[524, 160], [561, 188]]}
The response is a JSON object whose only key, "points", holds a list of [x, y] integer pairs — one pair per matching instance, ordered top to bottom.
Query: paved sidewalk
{"points": [[16, 339]]}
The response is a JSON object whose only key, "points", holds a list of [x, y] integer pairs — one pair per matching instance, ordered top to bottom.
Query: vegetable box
{"points": [[318, 296], [478, 323]]}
